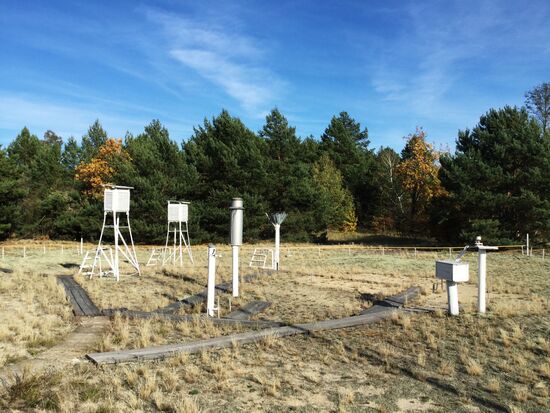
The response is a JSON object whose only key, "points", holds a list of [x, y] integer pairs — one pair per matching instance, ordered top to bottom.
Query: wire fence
{"points": [[303, 252]]}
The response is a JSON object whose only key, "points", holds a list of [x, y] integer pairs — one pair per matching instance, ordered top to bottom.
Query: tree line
{"points": [[496, 183]]}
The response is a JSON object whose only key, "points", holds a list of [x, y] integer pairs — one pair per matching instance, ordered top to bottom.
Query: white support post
{"points": [[236, 235], [81, 246], [277, 246], [528, 250], [2, 252], [24, 252], [116, 269], [235, 269], [482, 281], [211, 292], [452, 297]]}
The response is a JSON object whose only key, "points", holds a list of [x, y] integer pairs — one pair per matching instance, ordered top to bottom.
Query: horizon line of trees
{"points": [[496, 184]]}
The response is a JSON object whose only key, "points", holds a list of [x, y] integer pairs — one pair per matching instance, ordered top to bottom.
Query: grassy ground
{"points": [[420, 362]]}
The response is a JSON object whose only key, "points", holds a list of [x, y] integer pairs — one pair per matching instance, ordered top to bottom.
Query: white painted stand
{"points": [[116, 203], [236, 210], [277, 247], [235, 269], [453, 272], [482, 275], [211, 289], [452, 297]]}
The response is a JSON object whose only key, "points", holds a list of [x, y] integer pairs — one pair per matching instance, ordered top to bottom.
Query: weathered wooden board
{"points": [[200, 298], [79, 299], [395, 301], [250, 309], [373, 314], [189, 317], [160, 352]]}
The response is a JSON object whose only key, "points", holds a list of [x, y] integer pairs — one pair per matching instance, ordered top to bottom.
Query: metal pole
{"points": [[236, 210], [81, 246], [277, 246], [528, 251], [24, 252], [235, 269], [211, 280], [482, 282], [452, 297]]}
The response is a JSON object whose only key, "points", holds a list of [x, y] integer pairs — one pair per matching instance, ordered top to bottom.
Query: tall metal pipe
{"points": [[236, 210], [277, 246], [482, 282], [211, 289]]}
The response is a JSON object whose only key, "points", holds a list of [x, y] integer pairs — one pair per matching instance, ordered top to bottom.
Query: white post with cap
{"points": [[236, 209]]}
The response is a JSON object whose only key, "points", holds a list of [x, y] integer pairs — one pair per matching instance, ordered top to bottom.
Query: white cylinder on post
{"points": [[236, 209], [211, 288], [452, 297]]}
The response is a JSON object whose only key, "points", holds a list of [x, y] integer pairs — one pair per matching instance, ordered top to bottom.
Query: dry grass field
{"points": [[411, 363]]}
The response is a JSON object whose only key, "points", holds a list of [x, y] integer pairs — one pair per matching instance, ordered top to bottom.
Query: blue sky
{"points": [[393, 65]]}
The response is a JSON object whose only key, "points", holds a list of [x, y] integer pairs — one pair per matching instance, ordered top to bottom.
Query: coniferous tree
{"points": [[92, 141], [348, 146], [230, 160], [498, 181], [290, 184]]}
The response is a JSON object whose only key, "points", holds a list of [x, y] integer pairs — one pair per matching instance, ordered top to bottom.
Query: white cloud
{"points": [[229, 60]]}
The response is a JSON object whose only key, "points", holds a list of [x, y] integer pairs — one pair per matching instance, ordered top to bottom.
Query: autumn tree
{"points": [[101, 168], [418, 173], [390, 197]]}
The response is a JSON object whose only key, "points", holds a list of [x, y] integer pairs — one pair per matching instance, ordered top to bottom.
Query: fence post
{"points": [[44, 249], [61, 249], [2, 252], [24, 252], [319, 252], [415, 253], [450, 253], [542, 254]]}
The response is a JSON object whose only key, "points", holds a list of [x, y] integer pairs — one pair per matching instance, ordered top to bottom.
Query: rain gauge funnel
{"points": [[236, 210], [276, 220]]}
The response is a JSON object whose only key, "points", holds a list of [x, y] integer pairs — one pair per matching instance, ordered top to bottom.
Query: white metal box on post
{"points": [[116, 200], [178, 212], [452, 271]]}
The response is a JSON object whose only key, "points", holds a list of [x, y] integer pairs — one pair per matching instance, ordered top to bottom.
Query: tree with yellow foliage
{"points": [[101, 168], [418, 173]]}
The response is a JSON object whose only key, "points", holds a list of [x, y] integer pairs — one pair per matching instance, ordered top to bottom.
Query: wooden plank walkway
{"points": [[200, 298], [79, 299], [250, 309], [124, 312], [376, 313]]}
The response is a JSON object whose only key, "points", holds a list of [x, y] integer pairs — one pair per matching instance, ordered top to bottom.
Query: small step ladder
{"points": [[260, 256], [156, 257], [85, 265]]}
